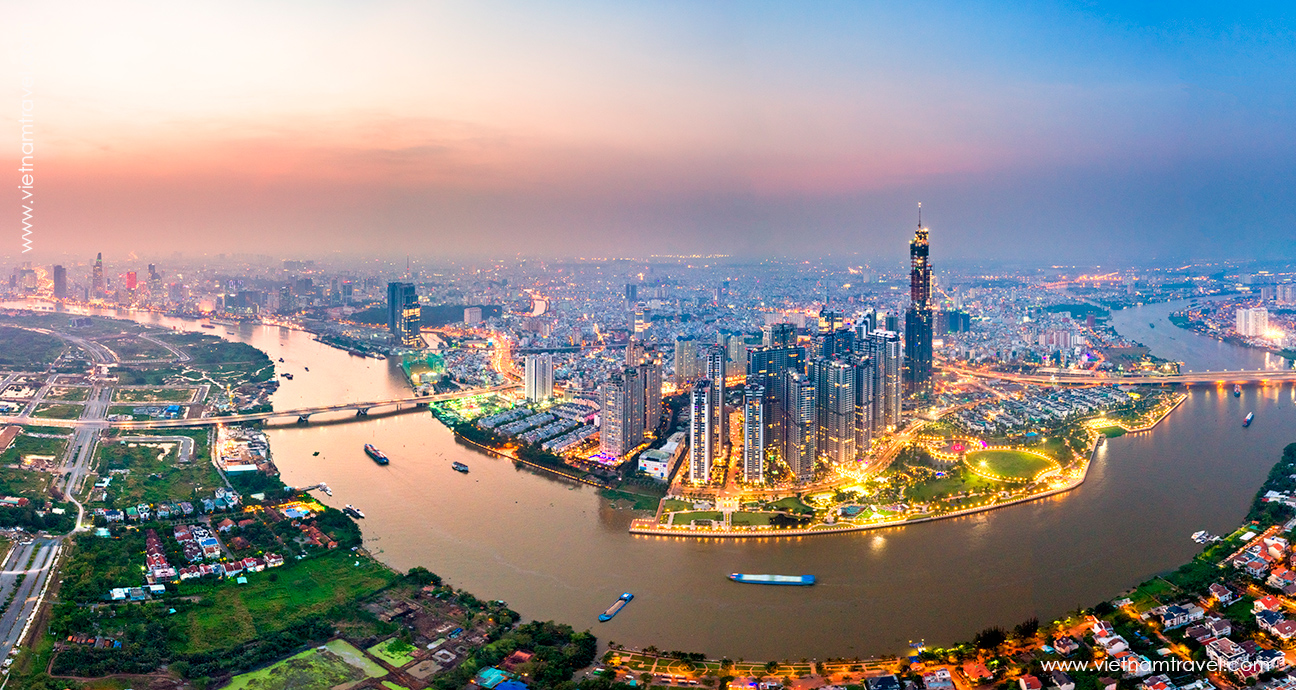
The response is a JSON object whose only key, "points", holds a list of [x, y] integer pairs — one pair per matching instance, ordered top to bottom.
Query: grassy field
{"points": [[131, 348], [22, 349], [221, 360], [69, 393], [153, 395], [57, 411], [32, 445], [1010, 464], [152, 480], [956, 481], [26, 483], [673, 504], [792, 504], [684, 518], [745, 519], [232, 614], [394, 651], [642, 663], [311, 669]]}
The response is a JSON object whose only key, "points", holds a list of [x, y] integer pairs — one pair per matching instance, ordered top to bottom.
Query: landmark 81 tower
{"points": [[918, 320]]}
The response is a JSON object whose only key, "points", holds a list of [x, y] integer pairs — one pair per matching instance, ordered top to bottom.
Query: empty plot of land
{"points": [[69, 393], [154, 395], [57, 411], [334, 664]]}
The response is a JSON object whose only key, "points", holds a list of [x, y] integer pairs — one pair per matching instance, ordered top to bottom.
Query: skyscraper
{"points": [[97, 277], [60, 282], [403, 313], [918, 320], [1252, 322], [779, 335], [884, 351], [716, 357], [686, 361], [769, 367], [650, 369], [835, 381], [538, 384], [864, 400], [622, 416], [799, 426], [700, 433], [754, 434]]}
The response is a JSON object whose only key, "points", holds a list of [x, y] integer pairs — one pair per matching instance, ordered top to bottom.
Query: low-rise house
{"points": [[273, 560], [1281, 577], [1266, 603], [1177, 616], [1268, 619], [1065, 645], [1226, 653], [1269, 660], [976, 672], [939, 679], [1061, 681], [887, 682], [1029, 682], [1157, 682]]}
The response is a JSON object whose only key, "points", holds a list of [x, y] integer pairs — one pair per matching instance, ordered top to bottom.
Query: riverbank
{"points": [[653, 527]]}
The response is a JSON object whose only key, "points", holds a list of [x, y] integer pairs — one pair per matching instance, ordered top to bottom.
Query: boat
{"points": [[207, 325], [1151, 325], [281, 360], [306, 368], [287, 375], [1237, 390], [1247, 422], [316, 453], [376, 454], [460, 467], [327, 491], [353, 511], [1204, 537], [793, 580], [616, 607]]}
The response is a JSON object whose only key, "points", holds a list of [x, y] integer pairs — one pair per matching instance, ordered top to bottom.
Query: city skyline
{"points": [[1041, 134]]}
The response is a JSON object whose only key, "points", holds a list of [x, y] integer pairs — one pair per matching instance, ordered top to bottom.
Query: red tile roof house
{"points": [[225, 525], [1266, 603], [977, 672], [1029, 682]]}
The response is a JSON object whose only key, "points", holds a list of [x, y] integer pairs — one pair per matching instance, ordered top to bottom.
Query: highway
{"points": [[14, 619]]}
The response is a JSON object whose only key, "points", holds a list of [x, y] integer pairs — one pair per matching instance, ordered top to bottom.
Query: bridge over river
{"points": [[1092, 379], [302, 414]]}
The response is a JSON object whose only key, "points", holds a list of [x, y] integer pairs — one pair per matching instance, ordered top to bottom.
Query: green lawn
{"points": [[131, 348], [23, 349], [69, 393], [153, 395], [57, 411], [1112, 432], [1010, 464], [152, 480], [955, 481], [791, 504], [671, 505], [684, 518], [746, 519], [232, 614], [394, 651], [339, 664]]}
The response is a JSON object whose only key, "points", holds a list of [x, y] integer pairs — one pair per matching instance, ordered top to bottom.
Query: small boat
{"points": [[207, 325], [1151, 325], [281, 360], [306, 368], [287, 375], [1237, 390], [1247, 422], [315, 454], [376, 454], [460, 467], [327, 491], [353, 511], [793, 580], [616, 607]]}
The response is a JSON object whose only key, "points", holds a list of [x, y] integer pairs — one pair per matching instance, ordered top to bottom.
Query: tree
{"points": [[1027, 628], [990, 638]]}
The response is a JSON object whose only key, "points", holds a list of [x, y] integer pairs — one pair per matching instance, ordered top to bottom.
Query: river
{"points": [[559, 551]]}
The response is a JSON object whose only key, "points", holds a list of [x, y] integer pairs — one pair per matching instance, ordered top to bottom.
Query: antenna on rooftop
{"points": [[920, 214]]}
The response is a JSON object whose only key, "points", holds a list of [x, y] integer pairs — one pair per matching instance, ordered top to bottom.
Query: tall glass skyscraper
{"points": [[403, 313], [918, 320]]}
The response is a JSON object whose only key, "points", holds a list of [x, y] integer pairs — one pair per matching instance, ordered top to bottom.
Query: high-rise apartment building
{"points": [[60, 282], [403, 315], [472, 316], [918, 320], [1252, 322], [779, 335], [884, 352], [716, 357], [686, 362], [769, 367], [650, 368], [835, 381], [538, 384], [864, 400], [622, 415], [799, 426], [700, 433], [754, 434]]}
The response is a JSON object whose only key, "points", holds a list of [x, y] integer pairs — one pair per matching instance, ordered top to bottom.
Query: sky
{"points": [[1050, 132]]}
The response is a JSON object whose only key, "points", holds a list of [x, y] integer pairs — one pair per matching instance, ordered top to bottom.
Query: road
{"points": [[14, 619]]}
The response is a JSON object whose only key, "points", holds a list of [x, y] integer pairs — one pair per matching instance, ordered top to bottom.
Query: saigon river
{"points": [[554, 549]]}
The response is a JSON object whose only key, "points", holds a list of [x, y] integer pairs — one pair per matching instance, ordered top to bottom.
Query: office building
{"points": [[60, 282], [97, 285], [632, 293], [403, 316], [472, 316], [918, 319], [1252, 322], [779, 335], [737, 350], [769, 367], [538, 384], [621, 426], [799, 426], [700, 433], [753, 434]]}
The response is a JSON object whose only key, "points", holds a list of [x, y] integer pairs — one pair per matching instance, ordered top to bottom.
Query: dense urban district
{"points": [[151, 542]]}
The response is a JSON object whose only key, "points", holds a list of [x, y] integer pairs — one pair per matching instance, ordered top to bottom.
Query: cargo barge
{"points": [[376, 454], [792, 580], [616, 607]]}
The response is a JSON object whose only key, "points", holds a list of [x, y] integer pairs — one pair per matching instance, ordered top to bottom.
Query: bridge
{"points": [[1086, 378], [302, 414]]}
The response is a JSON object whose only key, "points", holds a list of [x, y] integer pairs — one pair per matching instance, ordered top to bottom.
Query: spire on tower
{"points": [[920, 214]]}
